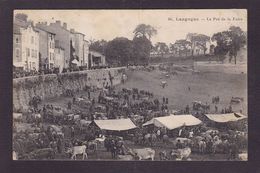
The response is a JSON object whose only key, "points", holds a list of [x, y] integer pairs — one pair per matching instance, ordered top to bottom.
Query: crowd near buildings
{"points": [[48, 48]]}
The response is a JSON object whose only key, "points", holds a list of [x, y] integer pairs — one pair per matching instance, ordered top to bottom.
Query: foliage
{"points": [[143, 30], [198, 40], [229, 42], [98, 46], [181, 46], [161, 47], [119, 49], [141, 49]]}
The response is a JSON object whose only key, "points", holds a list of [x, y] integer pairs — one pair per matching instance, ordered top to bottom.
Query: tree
{"points": [[143, 30], [238, 38], [198, 40], [229, 42], [98, 46], [182, 46], [161, 48], [141, 49], [119, 50]]}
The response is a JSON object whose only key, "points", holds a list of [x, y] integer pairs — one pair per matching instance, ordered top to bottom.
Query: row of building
{"points": [[42, 46]]}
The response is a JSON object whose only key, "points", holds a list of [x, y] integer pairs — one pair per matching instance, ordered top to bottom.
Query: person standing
{"points": [[166, 100], [69, 105], [72, 132]]}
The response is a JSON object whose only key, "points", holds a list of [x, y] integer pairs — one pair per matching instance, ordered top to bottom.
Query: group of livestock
{"points": [[58, 132]]}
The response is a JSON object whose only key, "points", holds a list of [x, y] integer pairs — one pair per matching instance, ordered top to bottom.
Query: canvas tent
{"points": [[224, 118], [174, 121], [115, 124]]}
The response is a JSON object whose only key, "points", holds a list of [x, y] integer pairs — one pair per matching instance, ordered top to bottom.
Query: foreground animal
{"points": [[79, 150], [143, 154], [181, 154], [15, 156], [243, 156]]}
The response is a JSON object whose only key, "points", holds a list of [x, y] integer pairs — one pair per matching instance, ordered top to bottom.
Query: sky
{"points": [[109, 24]]}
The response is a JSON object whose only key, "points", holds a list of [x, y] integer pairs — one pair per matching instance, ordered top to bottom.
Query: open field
{"points": [[203, 87]]}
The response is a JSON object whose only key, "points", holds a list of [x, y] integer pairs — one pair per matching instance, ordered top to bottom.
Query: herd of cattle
{"points": [[46, 137]]}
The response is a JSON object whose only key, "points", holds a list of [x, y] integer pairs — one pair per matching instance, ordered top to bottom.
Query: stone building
{"points": [[62, 34], [78, 44], [26, 45], [47, 48], [59, 61]]}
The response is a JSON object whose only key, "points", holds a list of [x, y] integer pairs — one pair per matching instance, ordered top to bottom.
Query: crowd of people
{"points": [[70, 126]]}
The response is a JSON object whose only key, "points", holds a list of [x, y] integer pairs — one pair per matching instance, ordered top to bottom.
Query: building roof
{"points": [[23, 24], [44, 29], [224, 118], [174, 121], [115, 124]]}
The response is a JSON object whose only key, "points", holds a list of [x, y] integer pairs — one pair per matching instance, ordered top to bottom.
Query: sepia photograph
{"points": [[130, 85]]}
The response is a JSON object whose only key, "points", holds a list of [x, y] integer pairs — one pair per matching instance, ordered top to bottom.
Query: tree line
{"points": [[121, 51]]}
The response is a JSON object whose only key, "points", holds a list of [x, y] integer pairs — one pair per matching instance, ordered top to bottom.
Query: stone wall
{"points": [[49, 86]]}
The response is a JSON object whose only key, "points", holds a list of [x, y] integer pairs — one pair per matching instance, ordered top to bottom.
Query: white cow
{"points": [[17, 116], [79, 150], [144, 153], [181, 153], [243, 156], [15, 157]]}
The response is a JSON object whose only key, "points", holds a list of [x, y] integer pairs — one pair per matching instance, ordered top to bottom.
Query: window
{"points": [[32, 39], [17, 40], [50, 44], [27, 52], [17, 53], [32, 53], [33, 66]]}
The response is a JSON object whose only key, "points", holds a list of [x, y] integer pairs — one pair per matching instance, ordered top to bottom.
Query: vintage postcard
{"points": [[123, 85]]}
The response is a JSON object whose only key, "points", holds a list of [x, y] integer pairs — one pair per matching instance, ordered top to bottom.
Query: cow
{"points": [[17, 116], [79, 150], [143, 154], [181, 154], [15, 156], [243, 156]]}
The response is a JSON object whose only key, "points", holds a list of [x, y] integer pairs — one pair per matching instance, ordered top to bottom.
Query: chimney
{"points": [[58, 22], [65, 25], [72, 30]]}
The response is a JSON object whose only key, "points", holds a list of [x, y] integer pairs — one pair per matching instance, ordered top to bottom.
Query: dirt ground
{"points": [[203, 87]]}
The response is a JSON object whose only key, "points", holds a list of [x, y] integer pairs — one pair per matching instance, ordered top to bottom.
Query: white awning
{"points": [[224, 118], [174, 121], [115, 124]]}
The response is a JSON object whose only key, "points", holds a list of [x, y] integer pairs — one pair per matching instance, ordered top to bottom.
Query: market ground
{"points": [[203, 87]]}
